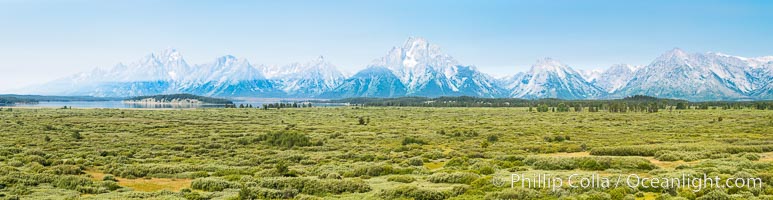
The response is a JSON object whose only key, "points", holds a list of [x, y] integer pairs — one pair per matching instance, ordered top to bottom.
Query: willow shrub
{"points": [[286, 139], [588, 163], [66, 170], [377, 170], [138, 171], [456, 177], [401, 179], [71, 182], [212, 184], [313, 186], [413, 192], [264, 193], [515, 193]]}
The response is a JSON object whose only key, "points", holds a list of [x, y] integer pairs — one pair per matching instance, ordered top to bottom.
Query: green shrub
{"points": [[76, 135], [492, 138], [286, 139], [410, 140], [651, 150], [682, 155], [668, 156], [751, 156], [36, 159], [416, 161], [457, 162], [588, 163], [484, 168], [66, 170], [143, 170], [377, 170], [330, 176], [109, 177], [456, 177], [401, 178], [71, 182], [212, 184], [109, 185], [313, 186], [91, 190], [459, 190], [412, 192], [249, 193], [514, 193], [716, 194], [596, 195]]}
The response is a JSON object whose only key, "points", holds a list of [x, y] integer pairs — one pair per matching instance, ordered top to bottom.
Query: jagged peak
{"points": [[413, 42], [675, 53], [168, 55], [723, 55], [227, 57], [415, 57], [766, 59], [229, 60], [548, 61], [319, 62], [548, 64], [622, 66]]}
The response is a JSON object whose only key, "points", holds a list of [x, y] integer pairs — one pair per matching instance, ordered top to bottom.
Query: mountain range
{"points": [[419, 68]]}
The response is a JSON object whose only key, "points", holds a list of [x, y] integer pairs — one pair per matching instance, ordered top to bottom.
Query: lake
{"points": [[120, 104]]}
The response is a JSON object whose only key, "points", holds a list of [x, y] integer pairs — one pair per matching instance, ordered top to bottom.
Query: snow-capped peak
{"points": [[415, 49], [416, 52], [675, 54], [168, 55], [171, 55], [726, 55], [765, 59], [226, 60], [416, 62], [319, 63], [550, 65], [317, 66], [227, 69], [590, 75], [615, 77], [309, 78], [549, 78]]}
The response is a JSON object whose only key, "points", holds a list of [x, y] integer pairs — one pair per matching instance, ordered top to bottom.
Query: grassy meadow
{"points": [[371, 152]]}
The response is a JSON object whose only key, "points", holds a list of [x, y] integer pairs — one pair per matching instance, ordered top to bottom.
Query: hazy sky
{"points": [[44, 40]]}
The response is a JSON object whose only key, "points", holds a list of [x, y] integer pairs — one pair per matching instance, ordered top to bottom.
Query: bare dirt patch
{"points": [[766, 157], [146, 185]]}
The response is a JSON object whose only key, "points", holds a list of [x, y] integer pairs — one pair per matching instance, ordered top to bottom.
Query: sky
{"points": [[43, 40]]}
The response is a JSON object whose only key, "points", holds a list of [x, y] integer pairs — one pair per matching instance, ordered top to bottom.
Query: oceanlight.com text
{"points": [[691, 181]]}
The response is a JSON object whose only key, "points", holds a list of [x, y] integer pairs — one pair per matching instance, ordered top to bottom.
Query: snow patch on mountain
{"points": [[419, 68], [425, 71], [590, 75], [708, 76], [615, 77], [549, 78], [306, 79]]}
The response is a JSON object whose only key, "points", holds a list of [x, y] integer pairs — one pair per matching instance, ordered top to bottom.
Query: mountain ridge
{"points": [[420, 68]]}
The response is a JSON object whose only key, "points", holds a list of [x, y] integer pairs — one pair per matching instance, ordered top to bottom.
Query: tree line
{"points": [[172, 97], [10, 100], [637, 103], [272, 105]]}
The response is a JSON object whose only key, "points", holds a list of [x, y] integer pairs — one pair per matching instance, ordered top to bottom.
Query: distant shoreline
{"points": [[151, 101]]}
